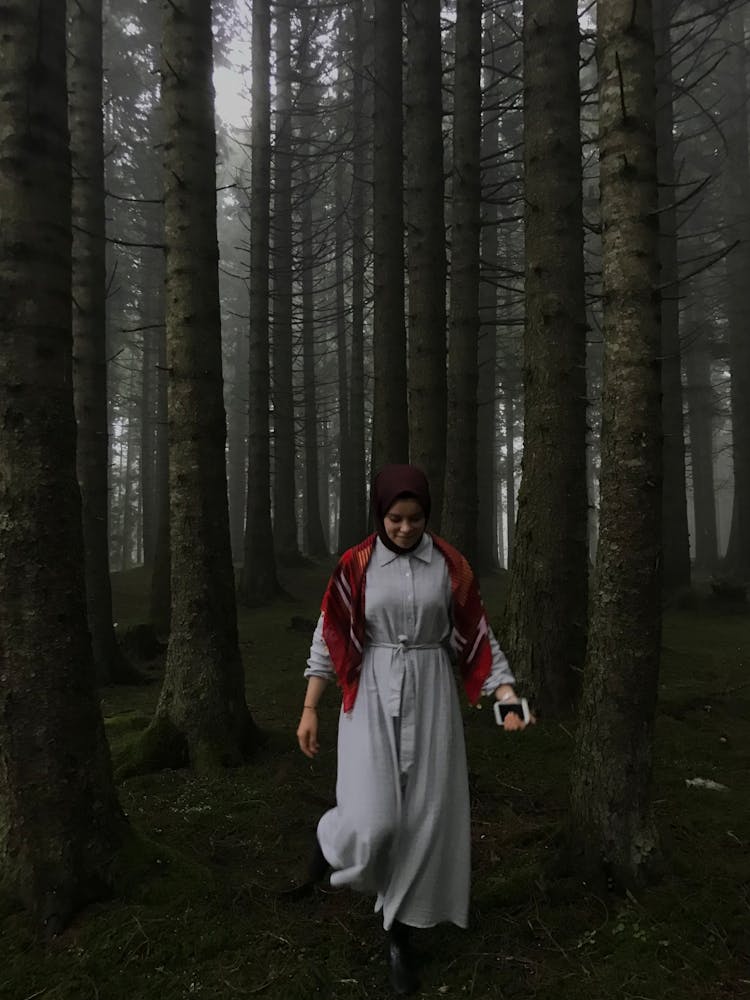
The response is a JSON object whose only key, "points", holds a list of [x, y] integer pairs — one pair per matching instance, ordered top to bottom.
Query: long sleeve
{"points": [[319, 663], [501, 672]]}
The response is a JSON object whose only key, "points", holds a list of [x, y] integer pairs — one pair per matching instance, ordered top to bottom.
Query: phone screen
{"points": [[511, 708]]}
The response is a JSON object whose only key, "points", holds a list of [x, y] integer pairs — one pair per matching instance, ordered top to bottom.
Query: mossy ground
{"points": [[202, 918]]}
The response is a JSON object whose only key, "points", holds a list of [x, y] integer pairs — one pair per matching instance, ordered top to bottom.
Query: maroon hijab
{"points": [[392, 483]]}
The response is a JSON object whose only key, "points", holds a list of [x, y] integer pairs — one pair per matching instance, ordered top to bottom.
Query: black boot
{"points": [[318, 867], [317, 870], [402, 964]]}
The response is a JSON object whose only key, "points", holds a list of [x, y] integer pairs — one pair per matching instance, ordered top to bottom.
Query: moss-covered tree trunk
{"points": [[425, 236], [89, 328], [390, 431], [284, 448], [461, 497], [258, 583], [545, 629], [202, 717], [612, 821], [60, 824]]}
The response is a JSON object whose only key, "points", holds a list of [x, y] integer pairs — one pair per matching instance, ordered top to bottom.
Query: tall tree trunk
{"points": [[308, 101], [737, 199], [425, 228], [153, 316], [89, 328], [510, 383], [700, 400], [390, 432], [148, 446], [237, 449], [324, 486], [487, 486], [284, 487], [346, 490], [128, 499], [461, 499], [358, 501], [139, 531], [314, 537], [676, 557], [487, 558], [259, 584], [160, 597], [545, 629], [201, 716], [612, 820], [60, 824]]}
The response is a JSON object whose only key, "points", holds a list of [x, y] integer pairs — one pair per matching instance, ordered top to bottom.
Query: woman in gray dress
{"points": [[400, 607]]}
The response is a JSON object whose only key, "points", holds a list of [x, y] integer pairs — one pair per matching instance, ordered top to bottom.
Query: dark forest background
{"points": [[250, 252]]}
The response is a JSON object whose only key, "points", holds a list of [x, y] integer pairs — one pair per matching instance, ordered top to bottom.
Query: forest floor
{"points": [[206, 921]]}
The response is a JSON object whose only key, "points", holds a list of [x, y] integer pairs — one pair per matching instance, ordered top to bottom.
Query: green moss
{"points": [[155, 747], [197, 912]]}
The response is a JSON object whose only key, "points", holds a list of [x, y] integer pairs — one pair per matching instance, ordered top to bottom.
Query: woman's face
{"points": [[404, 522]]}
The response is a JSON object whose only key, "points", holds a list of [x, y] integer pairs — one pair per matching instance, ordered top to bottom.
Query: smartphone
{"points": [[504, 708]]}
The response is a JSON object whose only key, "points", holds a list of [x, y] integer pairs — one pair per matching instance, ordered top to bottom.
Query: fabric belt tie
{"points": [[399, 657]]}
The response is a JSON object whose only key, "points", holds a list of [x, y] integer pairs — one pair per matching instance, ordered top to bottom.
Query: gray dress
{"points": [[400, 828]]}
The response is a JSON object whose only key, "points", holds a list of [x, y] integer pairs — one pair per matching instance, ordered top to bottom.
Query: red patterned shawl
{"points": [[344, 619]]}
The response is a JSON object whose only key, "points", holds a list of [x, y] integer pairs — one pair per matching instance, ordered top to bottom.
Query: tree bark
{"points": [[360, 136], [737, 198], [425, 229], [510, 382], [390, 433], [129, 438], [148, 447], [237, 449], [284, 450], [487, 485], [346, 490], [461, 498], [315, 539], [487, 558], [259, 584], [160, 596], [545, 628], [202, 717], [612, 822], [60, 824]]}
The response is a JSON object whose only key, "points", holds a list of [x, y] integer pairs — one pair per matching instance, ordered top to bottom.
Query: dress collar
{"points": [[423, 551]]}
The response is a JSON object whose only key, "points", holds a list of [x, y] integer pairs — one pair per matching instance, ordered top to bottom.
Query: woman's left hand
{"points": [[512, 722]]}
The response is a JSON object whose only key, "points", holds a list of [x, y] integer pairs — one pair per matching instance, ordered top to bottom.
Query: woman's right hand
{"points": [[307, 732]]}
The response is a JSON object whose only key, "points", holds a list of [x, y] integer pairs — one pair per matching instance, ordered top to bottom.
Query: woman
{"points": [[395, 606]]}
